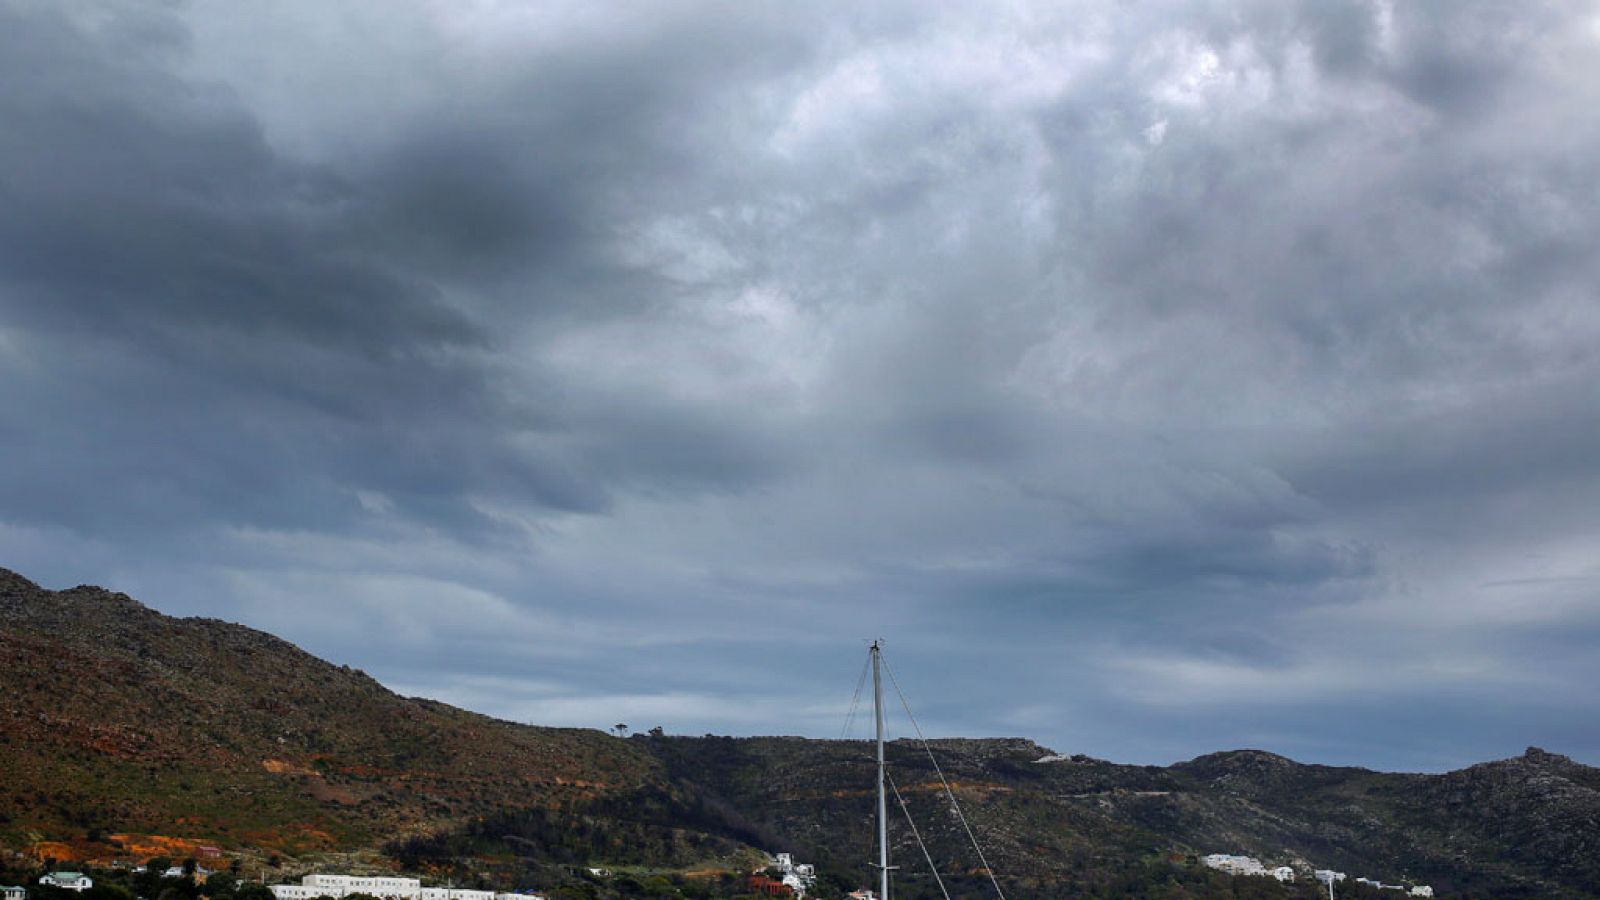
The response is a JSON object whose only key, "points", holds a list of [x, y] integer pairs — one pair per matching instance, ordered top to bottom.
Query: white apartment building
{"points": [[1235, 865], [1283, 873], [1327, 876], [385, 887], [1422, 890], [454, 894]]}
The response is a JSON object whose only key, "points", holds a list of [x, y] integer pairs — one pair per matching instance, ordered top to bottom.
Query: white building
{"points": [[1235, 865], [1283, 873], [1327, 876], [800, 877], [72, 881], [376, 885], [386, 887], [1422, 890], [12, 892], [454, 894]]}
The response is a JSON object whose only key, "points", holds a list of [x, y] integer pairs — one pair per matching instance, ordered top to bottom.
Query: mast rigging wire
{"points": [[855, 700], [954, 805], [918, 835]]}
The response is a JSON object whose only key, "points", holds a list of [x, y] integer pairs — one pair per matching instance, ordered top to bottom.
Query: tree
{"points": [[620, 729], [148, 883], [253, 890], [106, 891]]}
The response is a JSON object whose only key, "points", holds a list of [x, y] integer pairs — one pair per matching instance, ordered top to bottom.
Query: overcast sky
{"points": [[1156, 378]]}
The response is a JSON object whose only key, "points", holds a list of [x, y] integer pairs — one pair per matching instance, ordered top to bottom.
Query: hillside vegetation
{"points": [[118, 719], [126, 734]]}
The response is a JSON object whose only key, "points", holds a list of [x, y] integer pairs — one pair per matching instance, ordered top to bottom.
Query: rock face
{"points": [[115, 718]]}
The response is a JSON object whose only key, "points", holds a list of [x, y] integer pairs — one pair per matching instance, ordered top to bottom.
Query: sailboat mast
{"points": [[883, 805]]}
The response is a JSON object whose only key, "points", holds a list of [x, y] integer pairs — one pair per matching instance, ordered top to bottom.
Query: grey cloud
{"points": [[136, 203], [274, 309], [1542, 438]]}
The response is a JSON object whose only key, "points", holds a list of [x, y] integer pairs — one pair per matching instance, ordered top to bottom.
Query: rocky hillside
{"points": [[117, 719], [125, 731], [1524, 827]]}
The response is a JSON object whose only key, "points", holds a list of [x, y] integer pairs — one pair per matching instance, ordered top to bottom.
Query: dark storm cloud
{"points": [[136, 202], [257, 314], [1155, 362]]}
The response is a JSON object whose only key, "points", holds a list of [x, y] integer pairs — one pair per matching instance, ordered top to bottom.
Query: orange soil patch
{"points": [[283, 767], [959, 786], [290, 839], [144, 846]]}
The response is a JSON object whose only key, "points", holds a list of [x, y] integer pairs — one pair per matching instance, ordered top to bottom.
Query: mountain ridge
{"points": [[10, 579], [109, 692], [119, 719]]}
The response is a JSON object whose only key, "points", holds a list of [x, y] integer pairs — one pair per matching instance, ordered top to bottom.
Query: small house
{"points": [[70, 881]]}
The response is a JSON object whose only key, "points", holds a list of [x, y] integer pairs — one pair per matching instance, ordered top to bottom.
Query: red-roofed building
{"points": [[761, 884]]}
